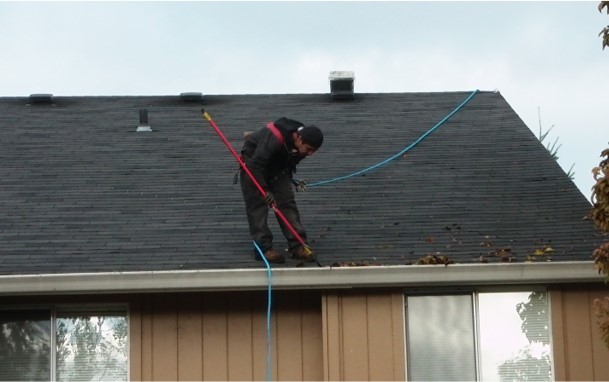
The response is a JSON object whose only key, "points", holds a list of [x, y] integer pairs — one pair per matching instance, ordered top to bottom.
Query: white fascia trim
{"points": [[302, 278]]}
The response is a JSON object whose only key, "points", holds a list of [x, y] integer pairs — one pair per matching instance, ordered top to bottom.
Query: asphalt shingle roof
{"points": [[82, 191]]}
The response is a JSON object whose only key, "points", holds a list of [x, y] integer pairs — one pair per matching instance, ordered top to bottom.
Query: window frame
{"points": [[474, 292], [84, 308]]}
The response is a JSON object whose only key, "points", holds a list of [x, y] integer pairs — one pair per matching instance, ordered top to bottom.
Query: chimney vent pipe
{"points": [[341, 85], [143, 126]]}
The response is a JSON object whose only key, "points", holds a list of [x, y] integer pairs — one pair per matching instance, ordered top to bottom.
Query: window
{"points": [[478, 336], [25, 345], [84, 345]]}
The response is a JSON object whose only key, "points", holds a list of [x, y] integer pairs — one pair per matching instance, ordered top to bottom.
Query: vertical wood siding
{"points": [[333, 335], [364, 335], [222, 336], [189, 338], [579, 353]]}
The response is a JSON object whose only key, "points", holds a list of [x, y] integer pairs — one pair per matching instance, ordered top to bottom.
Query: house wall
{"points": [[316, 335], [332, 335], [364, 335], [222, 336], [579, 353]]}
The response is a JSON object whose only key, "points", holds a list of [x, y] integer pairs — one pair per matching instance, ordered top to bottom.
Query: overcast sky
{"points": [[541, 56]]}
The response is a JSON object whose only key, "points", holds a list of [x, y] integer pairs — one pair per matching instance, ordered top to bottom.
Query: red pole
{"points": [[247, 171]]}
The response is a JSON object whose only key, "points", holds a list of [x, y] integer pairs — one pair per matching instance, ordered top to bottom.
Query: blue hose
{"points": [[360, 172], [268, 314]]}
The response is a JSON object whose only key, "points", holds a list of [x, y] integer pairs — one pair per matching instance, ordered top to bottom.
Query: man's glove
{"points": [[300, 185], [269, 198]]}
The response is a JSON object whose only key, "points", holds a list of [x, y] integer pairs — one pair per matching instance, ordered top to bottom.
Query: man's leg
{"points": [[282, 189], [257, 213]]}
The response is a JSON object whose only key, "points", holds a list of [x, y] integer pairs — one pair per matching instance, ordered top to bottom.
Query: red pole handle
{"points": [[247, 171]]}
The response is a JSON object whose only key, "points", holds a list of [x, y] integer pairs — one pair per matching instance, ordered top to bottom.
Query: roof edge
{"points": [[301, 278]]}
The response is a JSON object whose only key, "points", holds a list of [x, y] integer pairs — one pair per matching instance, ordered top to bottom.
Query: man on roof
{"points": [[271, 154]]}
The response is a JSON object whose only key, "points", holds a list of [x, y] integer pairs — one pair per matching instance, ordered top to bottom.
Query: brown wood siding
{"points": [[334, 335], [364, 335], [222, 336], [190, 337], [135, 340], [579, 353]]}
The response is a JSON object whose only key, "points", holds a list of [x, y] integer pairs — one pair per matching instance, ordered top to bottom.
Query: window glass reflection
{"points": [[25, 345], [91, 348]]}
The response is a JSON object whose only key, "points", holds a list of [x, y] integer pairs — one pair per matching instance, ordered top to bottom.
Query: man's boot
{"points": [[303, 253], [271, 255]]}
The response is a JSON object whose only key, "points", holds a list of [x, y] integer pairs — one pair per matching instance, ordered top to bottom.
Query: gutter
{"points": [[454, 275]]}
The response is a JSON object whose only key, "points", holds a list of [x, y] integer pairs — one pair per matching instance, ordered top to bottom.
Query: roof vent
{"points": [[341, 85], [191, 97], [41, 98], [143, 126]]}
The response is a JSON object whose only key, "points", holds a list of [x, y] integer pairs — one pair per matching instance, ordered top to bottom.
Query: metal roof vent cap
{"points": [[341, 84], [191, 97], [41, 98], [143, 126]]}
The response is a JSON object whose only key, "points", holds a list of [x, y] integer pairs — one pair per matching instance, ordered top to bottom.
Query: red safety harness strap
{"points": [[275, 132]]}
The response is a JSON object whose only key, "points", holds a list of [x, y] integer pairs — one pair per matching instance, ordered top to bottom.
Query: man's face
{"points": [[304, 149]]}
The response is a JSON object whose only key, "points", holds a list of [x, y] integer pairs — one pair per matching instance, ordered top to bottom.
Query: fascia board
{"points": [[302, 278]]}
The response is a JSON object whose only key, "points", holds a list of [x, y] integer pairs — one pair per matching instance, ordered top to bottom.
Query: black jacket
{"points": [[266, 157]]}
